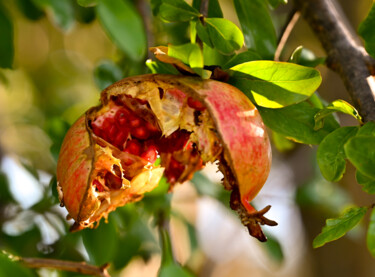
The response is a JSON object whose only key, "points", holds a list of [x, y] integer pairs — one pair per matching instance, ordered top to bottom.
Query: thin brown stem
{"points": [[204, 7], [286, 33], [345, 54], [79, 267]]}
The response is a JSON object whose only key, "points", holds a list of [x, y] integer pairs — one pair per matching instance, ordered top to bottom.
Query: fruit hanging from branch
{"points": [[108, 157]]}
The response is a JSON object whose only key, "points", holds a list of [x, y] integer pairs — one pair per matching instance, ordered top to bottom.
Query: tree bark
{"points": [[345, 54]]}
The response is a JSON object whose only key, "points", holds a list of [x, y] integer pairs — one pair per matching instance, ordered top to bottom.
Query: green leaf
{"points": [[87, 3], [276, 3], [29, 9], [214, 9], [177, 11], [62, 12], [124, 25], [257, 26], [366, 31], [222, 34], [6, 38], [188, 53], [213, 57], [242, 57], [308, 58], [160, 67], [106, 73], [275, 84], [335, 106], [296, 122], [368, 129], [281, 142], [360, 151], [331, 156], [367, 183], [337, 227], [371, 234], [101, 243], [274, 249], [12, 268]]}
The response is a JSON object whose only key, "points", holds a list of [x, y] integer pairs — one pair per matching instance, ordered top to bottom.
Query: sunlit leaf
{"points": [[276, 3], [61, 11], [177, 11], [124, 25], [257, 26], [366, 30], [221, 34], [6, 38], [161, 53], [188, 53], [212, 56], [159, 67], [106, 73], [275, 84], [336, 106], [296, 122], [360, 151], [331, 156], [367, 183], [337, 227], [371, 234]]}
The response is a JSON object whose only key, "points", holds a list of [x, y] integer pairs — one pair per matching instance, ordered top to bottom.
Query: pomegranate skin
{"points": [[232, 132]]}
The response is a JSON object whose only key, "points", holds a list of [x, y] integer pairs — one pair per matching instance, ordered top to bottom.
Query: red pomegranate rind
{"points": [[246, 143], [74, 166]]}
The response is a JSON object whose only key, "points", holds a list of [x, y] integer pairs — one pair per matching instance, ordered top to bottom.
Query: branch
{"points": [[291, 22], [345, 54], [80, 267]]}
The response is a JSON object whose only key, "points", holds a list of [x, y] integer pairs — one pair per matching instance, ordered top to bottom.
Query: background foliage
{"points": [[56, 56]]}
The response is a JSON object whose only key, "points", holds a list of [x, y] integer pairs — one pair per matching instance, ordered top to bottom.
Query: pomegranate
{"points": [[109, 155]]}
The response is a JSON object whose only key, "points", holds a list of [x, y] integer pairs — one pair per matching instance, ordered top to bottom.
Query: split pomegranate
{"points": [[109, 157]]}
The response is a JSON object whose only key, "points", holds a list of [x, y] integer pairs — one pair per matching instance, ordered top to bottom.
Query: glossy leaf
{"points": [[214, 9], [177, 11], [62, 12], [124, 25], [257, 26], [366, 30], [221, 34], [6, 38], [189, 53], [213, 57], [242, 57], [160, 67], [106, 73], [275, 84], [336, 106], [296, 122], [367, 130], [281, 142], [360, 151], [331, 155], [367, 183], [337, 227], [371, 234], [101, 243]]}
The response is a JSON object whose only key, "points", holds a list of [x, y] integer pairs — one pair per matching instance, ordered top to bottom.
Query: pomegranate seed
{"points": [[195, 104], [122, 117], [135, 122], [151, 127], [112, 132], [140, 132], [121, 137], [133, 147], [150, 154], [98, 186]]}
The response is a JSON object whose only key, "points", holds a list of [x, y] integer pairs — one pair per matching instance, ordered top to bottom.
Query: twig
{"points": [[204, 7], [144, 10], [286, 33], [345, 54], [79, 267]]}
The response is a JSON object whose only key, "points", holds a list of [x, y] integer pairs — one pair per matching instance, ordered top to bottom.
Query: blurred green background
{"points": [[63, 57]]}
